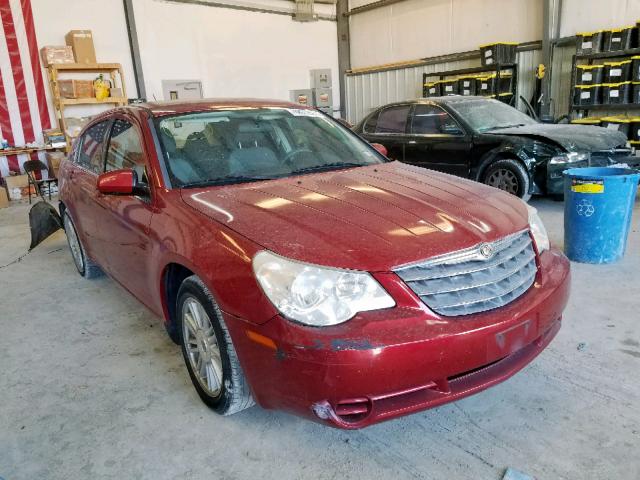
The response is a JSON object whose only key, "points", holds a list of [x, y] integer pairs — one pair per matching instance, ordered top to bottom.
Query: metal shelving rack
{"points": [[497, 69], [114, 71], [583, 110]]}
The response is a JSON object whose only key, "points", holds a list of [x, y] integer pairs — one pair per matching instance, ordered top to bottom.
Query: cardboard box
{"points": [[82, 43], [56, 54], [76, 88], [53, 163], [16, 181], [4, 198]]}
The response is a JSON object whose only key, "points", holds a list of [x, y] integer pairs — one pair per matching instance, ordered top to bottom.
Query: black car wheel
{"points": [[510, 176]]}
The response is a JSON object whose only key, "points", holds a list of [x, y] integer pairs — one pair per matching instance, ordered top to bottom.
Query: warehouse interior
{"points": [[95, 372]]}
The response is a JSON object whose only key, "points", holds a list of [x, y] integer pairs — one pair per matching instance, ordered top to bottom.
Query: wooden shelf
{"points": [[85, 67], [112, 71], [92, 101], [20, 150]]}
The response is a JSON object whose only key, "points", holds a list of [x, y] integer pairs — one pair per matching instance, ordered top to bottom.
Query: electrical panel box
{"points": [[320, 78], [181, 89], [303, 97], [323, 99]]}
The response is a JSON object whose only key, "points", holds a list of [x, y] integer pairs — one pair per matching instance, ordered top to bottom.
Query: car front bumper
{"points": [[389, 363]]}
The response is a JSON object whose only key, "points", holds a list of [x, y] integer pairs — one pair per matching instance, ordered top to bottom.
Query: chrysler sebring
{"points": [[300, 269]]}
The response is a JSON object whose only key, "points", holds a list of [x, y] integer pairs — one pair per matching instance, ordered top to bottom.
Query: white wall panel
{"points": [[588, 15], [415, 29], [234, 53]]}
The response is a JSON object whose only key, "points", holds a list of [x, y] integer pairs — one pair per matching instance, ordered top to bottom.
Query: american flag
{"points": [[24, 111]]}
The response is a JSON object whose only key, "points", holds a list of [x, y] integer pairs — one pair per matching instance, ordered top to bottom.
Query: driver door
{"points": [[436, 141], [125, 219]]}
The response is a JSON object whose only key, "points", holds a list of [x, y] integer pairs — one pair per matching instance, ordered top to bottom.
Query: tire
{"points": [[510, 176], [86, 267], [220, 381]]}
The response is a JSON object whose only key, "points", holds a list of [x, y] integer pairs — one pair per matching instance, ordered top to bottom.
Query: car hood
{"points": [[583, 138], [369, 218]]}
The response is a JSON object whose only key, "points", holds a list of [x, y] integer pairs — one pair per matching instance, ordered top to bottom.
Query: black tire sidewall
{"points": [[524, 181], [84, 257], [188, 289]]}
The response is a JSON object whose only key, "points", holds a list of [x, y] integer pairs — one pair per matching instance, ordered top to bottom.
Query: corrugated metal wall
{"points": [[367, 91]]}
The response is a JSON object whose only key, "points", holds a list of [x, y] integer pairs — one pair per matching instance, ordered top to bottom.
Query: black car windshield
{"points": [[485, 115], [250, 144]]}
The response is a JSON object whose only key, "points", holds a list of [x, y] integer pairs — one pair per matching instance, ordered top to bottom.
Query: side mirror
{"points": [[380, 148], [120, 182]]}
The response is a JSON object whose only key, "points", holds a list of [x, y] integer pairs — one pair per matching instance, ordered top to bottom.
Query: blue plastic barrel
{"points": [[597, 212]]}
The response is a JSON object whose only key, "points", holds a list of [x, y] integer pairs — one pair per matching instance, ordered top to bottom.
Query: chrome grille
{"points": [[478, 279]]}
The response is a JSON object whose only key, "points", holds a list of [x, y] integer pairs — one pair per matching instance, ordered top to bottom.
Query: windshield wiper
{"points": [[502, 127], [326, 166], [228, 180]]}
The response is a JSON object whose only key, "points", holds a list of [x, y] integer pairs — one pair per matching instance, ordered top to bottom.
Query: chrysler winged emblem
{"points": [[486, 251]]}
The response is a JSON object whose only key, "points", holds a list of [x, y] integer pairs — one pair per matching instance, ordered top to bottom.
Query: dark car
{"points": [[491, 142]]}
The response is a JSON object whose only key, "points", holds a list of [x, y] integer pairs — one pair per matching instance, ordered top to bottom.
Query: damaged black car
{"points": [[488, 141]]}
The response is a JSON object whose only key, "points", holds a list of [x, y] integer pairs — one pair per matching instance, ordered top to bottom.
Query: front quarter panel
{"points": [[221, 257]]}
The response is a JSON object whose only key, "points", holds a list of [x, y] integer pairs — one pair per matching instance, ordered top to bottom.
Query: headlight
{"points": [[571, 157], [537, 229], [317, 296]]}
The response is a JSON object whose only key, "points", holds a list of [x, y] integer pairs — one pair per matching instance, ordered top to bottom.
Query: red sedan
{"points": [[299, 268]]}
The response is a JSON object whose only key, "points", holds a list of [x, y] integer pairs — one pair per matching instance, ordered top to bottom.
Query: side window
{"points": [[393, 119], [431, 120], [370, 126], [91, 147], [125, 149]]}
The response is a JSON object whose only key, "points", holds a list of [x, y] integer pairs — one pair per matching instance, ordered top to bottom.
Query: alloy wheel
{"points": [[504, 179], [202, 347]]}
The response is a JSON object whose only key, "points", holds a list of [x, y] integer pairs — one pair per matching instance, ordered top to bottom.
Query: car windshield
{"points": [[484, 115], [250, 144]]}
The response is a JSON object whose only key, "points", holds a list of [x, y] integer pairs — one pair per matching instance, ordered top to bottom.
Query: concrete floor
{"points": [[91, 387]]}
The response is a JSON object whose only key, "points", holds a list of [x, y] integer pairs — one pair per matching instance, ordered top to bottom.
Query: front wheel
{"points": [[510, 176], [208, 351]]}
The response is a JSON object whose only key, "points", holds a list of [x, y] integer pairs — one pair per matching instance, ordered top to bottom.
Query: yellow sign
{"points": [[587, 187]]}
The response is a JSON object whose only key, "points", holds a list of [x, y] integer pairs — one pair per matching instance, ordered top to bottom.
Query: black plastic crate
{"points": [[618, 39], [589, 42], [498, 53], [635, 68], [616, 72], [589, 74], [504, 82], [486, 85], [467, 86], [449, 87], [432, 89], [635, 92], [616, 93], [585, 95], [506, 97], [593, 121], [620, 124], [634, 129]]}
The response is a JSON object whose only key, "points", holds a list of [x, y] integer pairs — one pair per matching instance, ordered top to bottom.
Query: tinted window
{"points": [[484, 115], [393, 119], [429, 119], [370, 126], [125, 149], [91, 151]]}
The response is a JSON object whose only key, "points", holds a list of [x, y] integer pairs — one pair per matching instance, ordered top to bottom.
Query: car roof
{"points": [[161, 109]]}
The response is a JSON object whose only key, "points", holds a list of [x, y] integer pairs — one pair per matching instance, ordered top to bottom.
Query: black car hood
{"points": [[570, 137]]}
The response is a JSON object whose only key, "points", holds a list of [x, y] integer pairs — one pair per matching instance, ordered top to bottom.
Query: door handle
{"points": [[412, 142]]}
